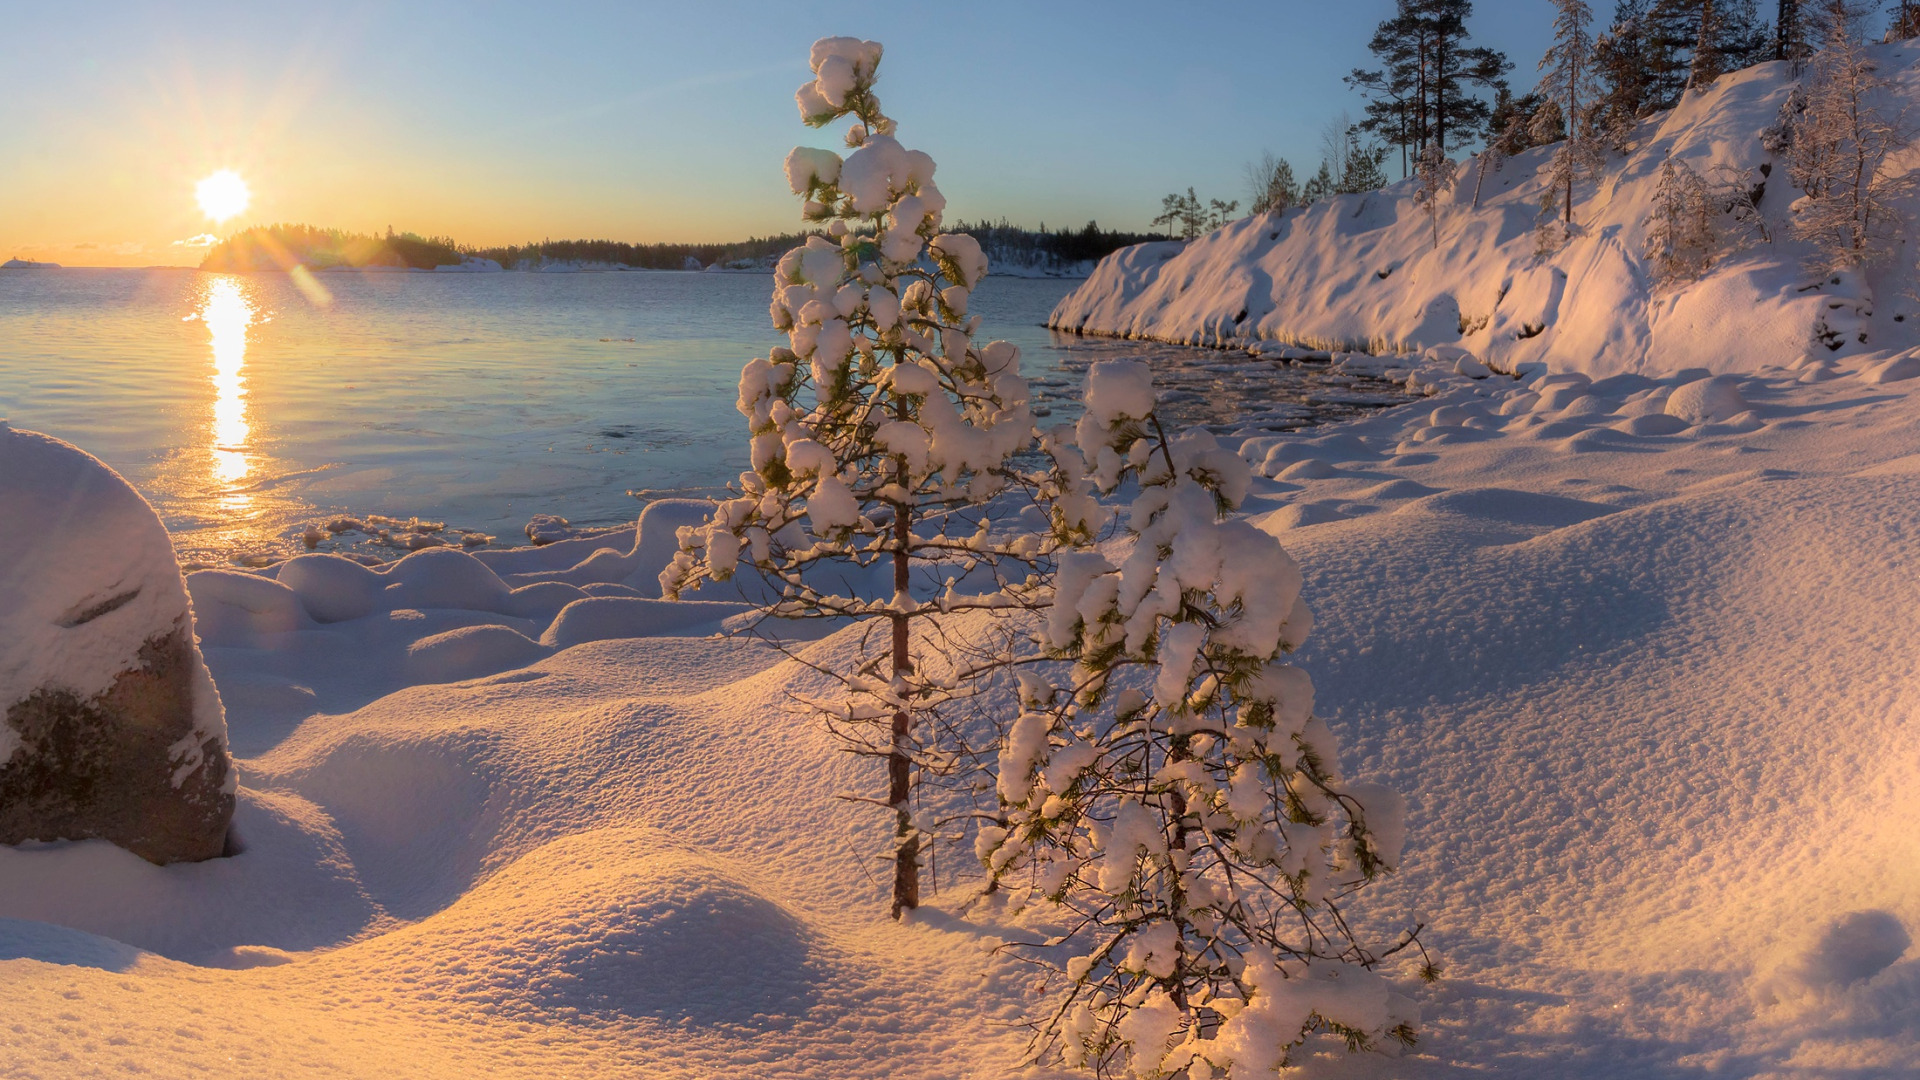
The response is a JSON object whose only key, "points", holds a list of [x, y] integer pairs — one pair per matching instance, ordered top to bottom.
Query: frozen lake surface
{"points": [[248, 410]]}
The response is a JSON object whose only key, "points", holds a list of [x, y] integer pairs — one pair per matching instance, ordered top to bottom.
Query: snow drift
{"points": [[1362, 272]]}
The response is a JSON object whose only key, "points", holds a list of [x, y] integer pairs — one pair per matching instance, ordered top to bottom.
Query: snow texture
{"points": [[1649, 690]]}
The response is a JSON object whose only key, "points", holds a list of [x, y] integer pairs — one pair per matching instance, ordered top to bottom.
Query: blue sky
{"points": [[505, 122]]}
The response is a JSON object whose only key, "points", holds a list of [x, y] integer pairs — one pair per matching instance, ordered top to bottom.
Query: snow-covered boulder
{"points": [[112, 727]]}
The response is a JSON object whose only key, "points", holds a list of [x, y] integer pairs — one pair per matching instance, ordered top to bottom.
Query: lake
{"points": [[250, 410]]}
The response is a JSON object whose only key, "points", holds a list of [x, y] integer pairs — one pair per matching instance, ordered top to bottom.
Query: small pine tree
{"points": [[1363, 171], [1436, 175], [1272, 184], [1318, 187], [1681, 237], [879, 434], [1174, 797]]}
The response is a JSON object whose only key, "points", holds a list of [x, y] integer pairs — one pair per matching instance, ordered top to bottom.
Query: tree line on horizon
{"points": [[283, 246]]}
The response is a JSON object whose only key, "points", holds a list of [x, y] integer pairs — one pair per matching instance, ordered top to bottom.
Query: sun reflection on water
{"points": [[227, 313]]}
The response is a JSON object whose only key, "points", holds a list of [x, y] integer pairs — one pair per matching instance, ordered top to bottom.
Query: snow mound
{"points": [[1361, 272], [1706, 401], [618, 923]]}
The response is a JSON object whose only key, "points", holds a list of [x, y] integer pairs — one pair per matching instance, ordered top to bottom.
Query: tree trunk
{"points": [[906, 855]]}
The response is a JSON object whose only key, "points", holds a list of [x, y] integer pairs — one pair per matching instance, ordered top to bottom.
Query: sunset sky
{"points": [[502, 123]]}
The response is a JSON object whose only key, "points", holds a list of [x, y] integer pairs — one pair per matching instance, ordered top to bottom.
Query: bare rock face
{"points": [[112, 727]]}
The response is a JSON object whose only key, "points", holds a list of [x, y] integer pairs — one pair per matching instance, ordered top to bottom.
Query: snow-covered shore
{"points": [[1362, 272], [1646, 683]]}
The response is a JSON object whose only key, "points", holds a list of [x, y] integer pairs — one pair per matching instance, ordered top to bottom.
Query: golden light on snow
{"points": [[222, 195], [227, 314]]}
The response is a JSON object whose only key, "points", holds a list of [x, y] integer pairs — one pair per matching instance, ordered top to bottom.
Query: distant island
{"points": [[1014, 250]]}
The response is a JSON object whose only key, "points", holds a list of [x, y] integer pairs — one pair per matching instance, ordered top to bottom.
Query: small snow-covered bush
{"points": [[881, 434], [1171, 790]]}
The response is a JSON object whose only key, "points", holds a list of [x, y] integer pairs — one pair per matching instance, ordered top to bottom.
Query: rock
{"points": [[545, 529], [110, 726]]}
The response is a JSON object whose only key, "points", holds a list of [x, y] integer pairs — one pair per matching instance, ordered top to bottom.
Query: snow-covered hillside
{"points": [[1362, 273]]}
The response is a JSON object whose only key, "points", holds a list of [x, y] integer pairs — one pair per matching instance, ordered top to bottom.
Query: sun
{"points": [[222, 195]]}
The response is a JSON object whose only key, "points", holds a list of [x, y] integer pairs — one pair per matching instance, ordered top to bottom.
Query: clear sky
{"points": [[502, 123]]}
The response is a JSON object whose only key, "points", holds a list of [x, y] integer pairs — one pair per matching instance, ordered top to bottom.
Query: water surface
{"points": [[251, 409]]}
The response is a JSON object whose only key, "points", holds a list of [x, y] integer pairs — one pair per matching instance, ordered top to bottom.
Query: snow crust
{"points": [[1361, 272]]}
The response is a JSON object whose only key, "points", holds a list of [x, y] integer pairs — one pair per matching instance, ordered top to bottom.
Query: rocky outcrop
{"points": [[112, 727]]}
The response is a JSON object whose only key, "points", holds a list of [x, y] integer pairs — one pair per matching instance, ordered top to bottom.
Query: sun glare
{"points": [[222, 195], [227, 314]]}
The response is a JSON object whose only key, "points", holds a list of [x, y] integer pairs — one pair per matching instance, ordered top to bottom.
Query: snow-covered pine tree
{"points": [[1568, 82], [1839, 145], [1436, 173], [1681, 238], [879, 433], [1174, 798]]}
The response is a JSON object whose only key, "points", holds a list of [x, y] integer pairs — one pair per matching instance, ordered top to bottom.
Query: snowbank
{"points": [[1362, 273], [1645, 677]]}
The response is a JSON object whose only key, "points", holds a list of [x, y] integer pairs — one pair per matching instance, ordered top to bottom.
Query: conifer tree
{"points": [[1903, 19], [1792, 37], [1621, 58], [1707, 63], [1568, 83], [1423, 90], [1839, 146], [1363, 172], [1436, 176], [1272, 184], [1318, 186], [1681, 237], [879, 434], [1172, 794]]}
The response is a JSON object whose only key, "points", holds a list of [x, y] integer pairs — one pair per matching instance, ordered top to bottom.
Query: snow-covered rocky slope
{"points": [[1362, 272], [1640, 654]]}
